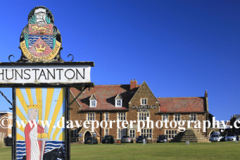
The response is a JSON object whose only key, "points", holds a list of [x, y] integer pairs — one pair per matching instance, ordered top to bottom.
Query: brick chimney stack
{"points": [[133, 84], [206, 94], [206, 98]]}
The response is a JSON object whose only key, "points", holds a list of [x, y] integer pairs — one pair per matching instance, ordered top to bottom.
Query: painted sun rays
{"points": [[51, 102]]}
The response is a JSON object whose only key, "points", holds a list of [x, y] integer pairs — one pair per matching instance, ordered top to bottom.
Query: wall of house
{"points": [[132, 114], [6, 131]]}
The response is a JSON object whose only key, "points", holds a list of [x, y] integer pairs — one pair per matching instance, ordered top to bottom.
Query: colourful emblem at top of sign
{"points": [[40, 40]]}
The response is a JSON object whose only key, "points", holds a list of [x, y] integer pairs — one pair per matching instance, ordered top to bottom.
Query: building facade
{"points": [[134, 102], [5, 120]]}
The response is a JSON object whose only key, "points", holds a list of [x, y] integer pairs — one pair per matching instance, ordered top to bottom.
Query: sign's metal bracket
{"points": [[81, 91]]}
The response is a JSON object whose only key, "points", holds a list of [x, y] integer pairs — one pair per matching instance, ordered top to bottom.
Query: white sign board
{"points": [[45, 74]]}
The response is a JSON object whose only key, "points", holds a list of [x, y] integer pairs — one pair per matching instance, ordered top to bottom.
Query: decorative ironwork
{"points": [[9, 57], [72, 57]]}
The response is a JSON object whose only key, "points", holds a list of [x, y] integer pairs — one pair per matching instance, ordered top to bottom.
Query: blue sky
{"points": [[180, 48]]}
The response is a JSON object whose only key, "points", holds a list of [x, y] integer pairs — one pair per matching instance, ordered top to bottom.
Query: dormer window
{"points": [[93, 101], [118, 101]]}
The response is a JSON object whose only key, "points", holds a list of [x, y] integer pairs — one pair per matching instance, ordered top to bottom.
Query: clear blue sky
{"points": [[180, 48]]}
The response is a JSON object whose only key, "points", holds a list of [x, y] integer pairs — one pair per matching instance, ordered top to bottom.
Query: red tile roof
{"points": [[105, 95], [182, 105]]}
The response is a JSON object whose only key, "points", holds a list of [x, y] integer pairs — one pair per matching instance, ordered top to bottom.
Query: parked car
{"points": [[216, 133], [230, 137], [215, 138], [223, 138], [108, 139], [126, 139], [140, 139], [162, 139], [91, 140]]}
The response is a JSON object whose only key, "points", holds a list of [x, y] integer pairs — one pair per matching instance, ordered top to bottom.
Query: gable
{"points": [[143, 92], [118, 96], [93, 97]]}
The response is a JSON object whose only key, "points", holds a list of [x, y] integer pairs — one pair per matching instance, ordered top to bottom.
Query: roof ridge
{"points": [[112, 85], [180, 97]]}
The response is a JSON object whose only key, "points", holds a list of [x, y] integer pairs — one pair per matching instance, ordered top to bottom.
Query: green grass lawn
{"points": [[217, 150]]}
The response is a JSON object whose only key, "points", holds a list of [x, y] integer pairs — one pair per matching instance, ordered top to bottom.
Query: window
{"points": [[143, 101], [93, 103], [118, 103], [143, 115], [91, 116], [106, 116], [122, 116], [165, 117], [177, 117], [193, 117], [106, 132], [75, 133], [121, 133], [132, 133], [147, 133], [170, 133], [94, 134]]}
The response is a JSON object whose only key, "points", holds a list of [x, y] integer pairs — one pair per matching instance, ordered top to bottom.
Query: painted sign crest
{"points": [[40, 39]]}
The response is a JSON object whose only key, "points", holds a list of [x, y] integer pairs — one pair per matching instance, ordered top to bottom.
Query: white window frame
{"points": [[143, 101], [118, 102], [93, 103], [143, 115], [91, 116], [106, 116], [122, 116], [164, 117], [177, 117], [191, 117], [106, 131], [147, 132], [119, 133], [132, 133], [171, 133], [94, 134]]}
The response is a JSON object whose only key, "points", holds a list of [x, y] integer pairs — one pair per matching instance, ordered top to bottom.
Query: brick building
{"points": [[132, 102], [5, 120]]}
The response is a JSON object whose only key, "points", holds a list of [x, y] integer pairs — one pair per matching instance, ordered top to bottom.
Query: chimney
{"points": [[133, 84], [206, 94], [206, 98]]}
